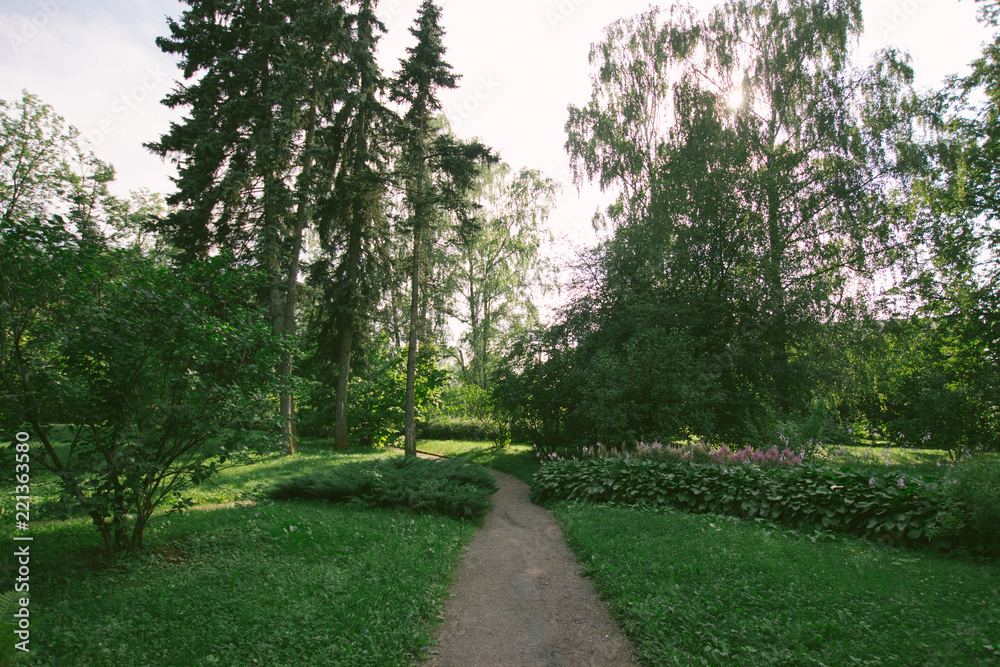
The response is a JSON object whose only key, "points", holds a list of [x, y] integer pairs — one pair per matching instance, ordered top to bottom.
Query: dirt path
{"points": [[518, 599]]}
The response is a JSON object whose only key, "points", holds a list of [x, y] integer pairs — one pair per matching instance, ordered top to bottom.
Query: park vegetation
{"points": [[802, 259]]}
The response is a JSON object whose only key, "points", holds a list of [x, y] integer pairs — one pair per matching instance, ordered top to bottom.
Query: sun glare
{"points": [[735, 99]]}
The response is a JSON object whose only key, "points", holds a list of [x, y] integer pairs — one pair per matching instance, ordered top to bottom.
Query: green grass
{"points": [[516, 460], [232, 484], [275, 583], [701, 589]]}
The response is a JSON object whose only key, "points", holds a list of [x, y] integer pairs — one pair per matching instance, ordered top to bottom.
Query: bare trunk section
{"points": [[419, 212], [359, 222], [270, 260], [277, 303], [288, 316], [396, 325], [346, 326], [475, 333], [484, 363], [343, 371], [410, 433]]}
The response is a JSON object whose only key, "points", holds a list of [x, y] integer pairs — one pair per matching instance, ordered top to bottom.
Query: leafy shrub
{"points": [[166, 371], [647, 383], [532, 401], [376, 409], [484, 409], [451, 428], [803, 431], [453, 488], [972, 498], [883, 506]]}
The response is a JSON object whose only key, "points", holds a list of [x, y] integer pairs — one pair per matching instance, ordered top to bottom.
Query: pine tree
{"points": [[260, 73], [438, 171], [351, 217]]}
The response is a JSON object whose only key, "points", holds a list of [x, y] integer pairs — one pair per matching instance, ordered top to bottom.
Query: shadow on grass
{"points": [[516, 460], [290, 583]]}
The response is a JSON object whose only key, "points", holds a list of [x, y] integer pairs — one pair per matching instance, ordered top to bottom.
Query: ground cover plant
{"points": [[454, 488], [887, 506], [272, 583], [706, 589]]}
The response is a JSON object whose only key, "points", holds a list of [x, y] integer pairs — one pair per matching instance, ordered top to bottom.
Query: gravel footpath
{"points": [[518, 599]]}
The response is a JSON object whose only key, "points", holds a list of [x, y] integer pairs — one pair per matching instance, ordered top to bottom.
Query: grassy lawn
{"points": [[516, 460], [274, 583], [701, 589]]}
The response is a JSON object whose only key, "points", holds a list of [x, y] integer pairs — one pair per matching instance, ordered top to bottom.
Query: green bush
{"points": [[166, 371], [533, 400], [376, 409], [451, 428], [453, 488], [972, 499], [888, 507]]}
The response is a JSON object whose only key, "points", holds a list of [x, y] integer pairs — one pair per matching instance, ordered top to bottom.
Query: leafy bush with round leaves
{"points": [[888, 507]]}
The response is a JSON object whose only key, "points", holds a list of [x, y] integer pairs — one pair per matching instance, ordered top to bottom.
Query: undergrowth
{"points": [[453, 488], [886, 506]]}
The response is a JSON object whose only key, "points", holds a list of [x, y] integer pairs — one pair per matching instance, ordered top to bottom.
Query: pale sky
{"points": [[522, 62]]}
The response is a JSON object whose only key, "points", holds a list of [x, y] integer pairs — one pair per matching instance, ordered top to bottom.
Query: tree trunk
{"points": [[356, 233], [277, 302], [289, 318], [396, 325], [346, 327], [475, 333], [346, 335], [484, 350], [410, 433], [107, 538]]}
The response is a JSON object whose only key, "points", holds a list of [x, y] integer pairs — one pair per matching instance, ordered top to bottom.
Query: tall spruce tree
{"points": [[258, 73], [437, 170], [351, 221]]}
